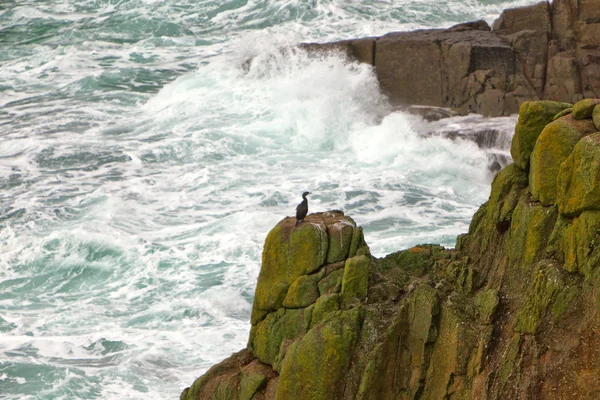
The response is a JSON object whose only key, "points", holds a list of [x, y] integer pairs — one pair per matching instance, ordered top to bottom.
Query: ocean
{"points": [[142, 166]]}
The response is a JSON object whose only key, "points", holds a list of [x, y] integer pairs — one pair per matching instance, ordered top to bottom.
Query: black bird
{"points": [[302, 208]]}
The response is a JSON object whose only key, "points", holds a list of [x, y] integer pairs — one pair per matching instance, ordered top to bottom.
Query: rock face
{"points": [[544, 51], [512, 313]]}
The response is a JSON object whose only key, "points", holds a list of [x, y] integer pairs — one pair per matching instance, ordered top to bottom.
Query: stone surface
{"points": [[534, 17], [583, 109], [596, 116], [533, 118], [553, 146], [579, 178], [289, 253], [355, 281], [332, 283], [302, 292], [268, 335], [318, 362]]}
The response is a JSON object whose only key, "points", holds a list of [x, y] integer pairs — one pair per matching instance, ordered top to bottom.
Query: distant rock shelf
{"points": [[544, 51], [512, 313]]}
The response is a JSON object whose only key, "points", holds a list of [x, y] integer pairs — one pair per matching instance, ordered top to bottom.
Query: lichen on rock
{"points": [[533, 117]]}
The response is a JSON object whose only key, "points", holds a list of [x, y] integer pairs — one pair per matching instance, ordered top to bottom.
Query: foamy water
{"points": [[141, 168]]}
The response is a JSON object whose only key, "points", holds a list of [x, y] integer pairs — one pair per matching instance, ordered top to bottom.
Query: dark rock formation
{"points": [[544, 51], [512, 313]]}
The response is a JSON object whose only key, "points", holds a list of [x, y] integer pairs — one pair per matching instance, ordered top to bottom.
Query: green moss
{"points": [[584, 108], [564, 112], [596, 116], [533, 117], [553, 146], [579, 178], [504, 196], [478, 217], [530, 228], [357, 239], [340, 240], [578, 240], [289, 253], [416, 260], [462, 276], [355, 281], [332, 283], [546, 285], [302, 292], [563, 300], [487, 303], [325, 305], [423, 309], [308, 316], [266, 337], [457, 340], [510, 359], [316, 364], [366, 380], [250, 383], [224, 390]]}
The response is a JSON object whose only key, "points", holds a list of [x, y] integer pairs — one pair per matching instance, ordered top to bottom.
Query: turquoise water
{"points": [[141, 168]]}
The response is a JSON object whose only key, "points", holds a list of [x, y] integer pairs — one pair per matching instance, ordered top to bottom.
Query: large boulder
{"points": [[471, 66], [583, 109], [533, 118], [552, 147], [579, 178]]}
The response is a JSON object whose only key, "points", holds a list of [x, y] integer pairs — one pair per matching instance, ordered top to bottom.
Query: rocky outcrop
{"points": [[544, 51], [512, 313]]}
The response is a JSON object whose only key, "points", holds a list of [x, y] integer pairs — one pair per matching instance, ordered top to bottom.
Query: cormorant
{"points": [[302, 208]]}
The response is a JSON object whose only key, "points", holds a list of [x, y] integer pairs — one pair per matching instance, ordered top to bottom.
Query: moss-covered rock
{"points": [[584, 108], [564, 112], [596, 116], [533, 117], [553, 146], [579, 178], [504, 194], [531, 225], [340, 240], [357, 240], [578, 240], [289, 253], [355, 281], [332, 283], [546, 285], [302, 292], [487, 303], [326, 304], [266, 337], [454, 348], [315, 364], [254, 377]]}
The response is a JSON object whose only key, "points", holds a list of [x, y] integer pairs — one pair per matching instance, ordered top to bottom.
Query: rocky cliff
{"points": [[545, 51], [512, 313]]}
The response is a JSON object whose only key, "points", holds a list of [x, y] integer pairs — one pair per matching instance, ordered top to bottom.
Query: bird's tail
{"points": [[298, 221]]}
